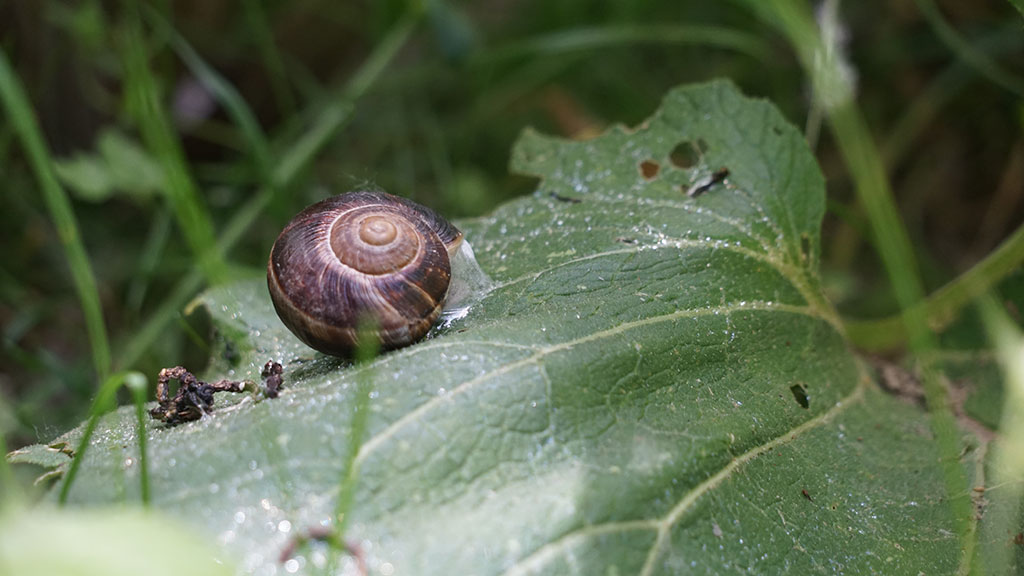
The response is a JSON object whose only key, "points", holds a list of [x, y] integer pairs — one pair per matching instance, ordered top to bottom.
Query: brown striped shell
{"points": [[361, 257]]}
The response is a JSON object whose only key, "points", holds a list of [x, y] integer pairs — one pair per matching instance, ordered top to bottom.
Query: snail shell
{"points": [[362, 257]]}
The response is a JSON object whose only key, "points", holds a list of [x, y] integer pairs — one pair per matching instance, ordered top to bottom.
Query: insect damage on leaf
{"points": [[649, 169], [706, 183], [800, 395]]}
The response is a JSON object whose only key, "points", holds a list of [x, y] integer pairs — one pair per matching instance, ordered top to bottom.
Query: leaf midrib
{"points": [[380, 437]]}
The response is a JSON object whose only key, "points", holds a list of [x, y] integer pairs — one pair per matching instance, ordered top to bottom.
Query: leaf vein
{"points": [[387, 433], [663, 525]]}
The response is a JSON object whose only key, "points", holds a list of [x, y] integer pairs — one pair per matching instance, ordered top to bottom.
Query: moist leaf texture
{"points": [[619, 403]]}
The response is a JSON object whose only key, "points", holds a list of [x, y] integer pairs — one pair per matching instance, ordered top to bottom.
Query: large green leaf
{"points": [[627, 399]]}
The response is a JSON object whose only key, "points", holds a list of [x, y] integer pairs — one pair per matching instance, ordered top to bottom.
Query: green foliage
{"points": [[188, 133], [119, 166], [619, 401], [110, 542]]}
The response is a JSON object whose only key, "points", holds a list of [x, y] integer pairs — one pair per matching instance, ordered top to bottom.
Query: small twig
{"points": [[194, 397]]}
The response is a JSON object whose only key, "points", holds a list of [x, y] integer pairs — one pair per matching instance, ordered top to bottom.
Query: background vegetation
{"points": [[187, 133]]}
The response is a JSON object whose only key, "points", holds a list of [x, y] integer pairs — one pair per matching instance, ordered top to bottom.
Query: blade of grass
{"points": [[1019, 5], [256, 18], [589, 39], [970, 55], [941, 90], [225, 93], [145, 103], [923, 109], [337, 110], [22, 118], [327, 120], [903, 137], [437, 153], [299, 154], [864, 162], [149, 261], [944, 304], [155, 326], [365, 353], [136, 383], [103, 403], [10, 489], [1003, 511]]}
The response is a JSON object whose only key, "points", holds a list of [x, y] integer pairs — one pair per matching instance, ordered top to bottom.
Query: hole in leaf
{"points": [[686, 155], [649, 169], [805, 247], [801, 396]]}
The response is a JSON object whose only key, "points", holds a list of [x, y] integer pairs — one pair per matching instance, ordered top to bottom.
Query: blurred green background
{"points": [[435, 124]]}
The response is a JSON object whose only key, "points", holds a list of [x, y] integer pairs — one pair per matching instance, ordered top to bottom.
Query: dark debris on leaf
{"points": [[561, 198], [273, 378], [193, 399]]}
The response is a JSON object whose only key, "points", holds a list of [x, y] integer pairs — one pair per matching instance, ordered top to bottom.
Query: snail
{"points": [[362, 257]]}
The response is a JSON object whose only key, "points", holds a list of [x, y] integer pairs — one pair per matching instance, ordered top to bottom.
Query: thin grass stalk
{"points": [[967, 53], [144, 99], [22, 118], [329, 119], [945, 304], [103, 403], [1005, 492]]}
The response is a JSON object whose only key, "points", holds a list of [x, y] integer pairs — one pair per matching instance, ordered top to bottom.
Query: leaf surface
{"points": [[626, 399]]}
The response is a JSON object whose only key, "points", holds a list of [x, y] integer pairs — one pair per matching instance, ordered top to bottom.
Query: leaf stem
{"points": [[942, 307]]}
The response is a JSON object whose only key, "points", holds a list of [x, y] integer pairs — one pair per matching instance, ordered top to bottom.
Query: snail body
{"points": [[362, 257]]}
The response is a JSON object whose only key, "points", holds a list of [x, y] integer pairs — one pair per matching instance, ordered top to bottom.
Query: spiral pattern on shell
{"points": [[361, 257]]}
